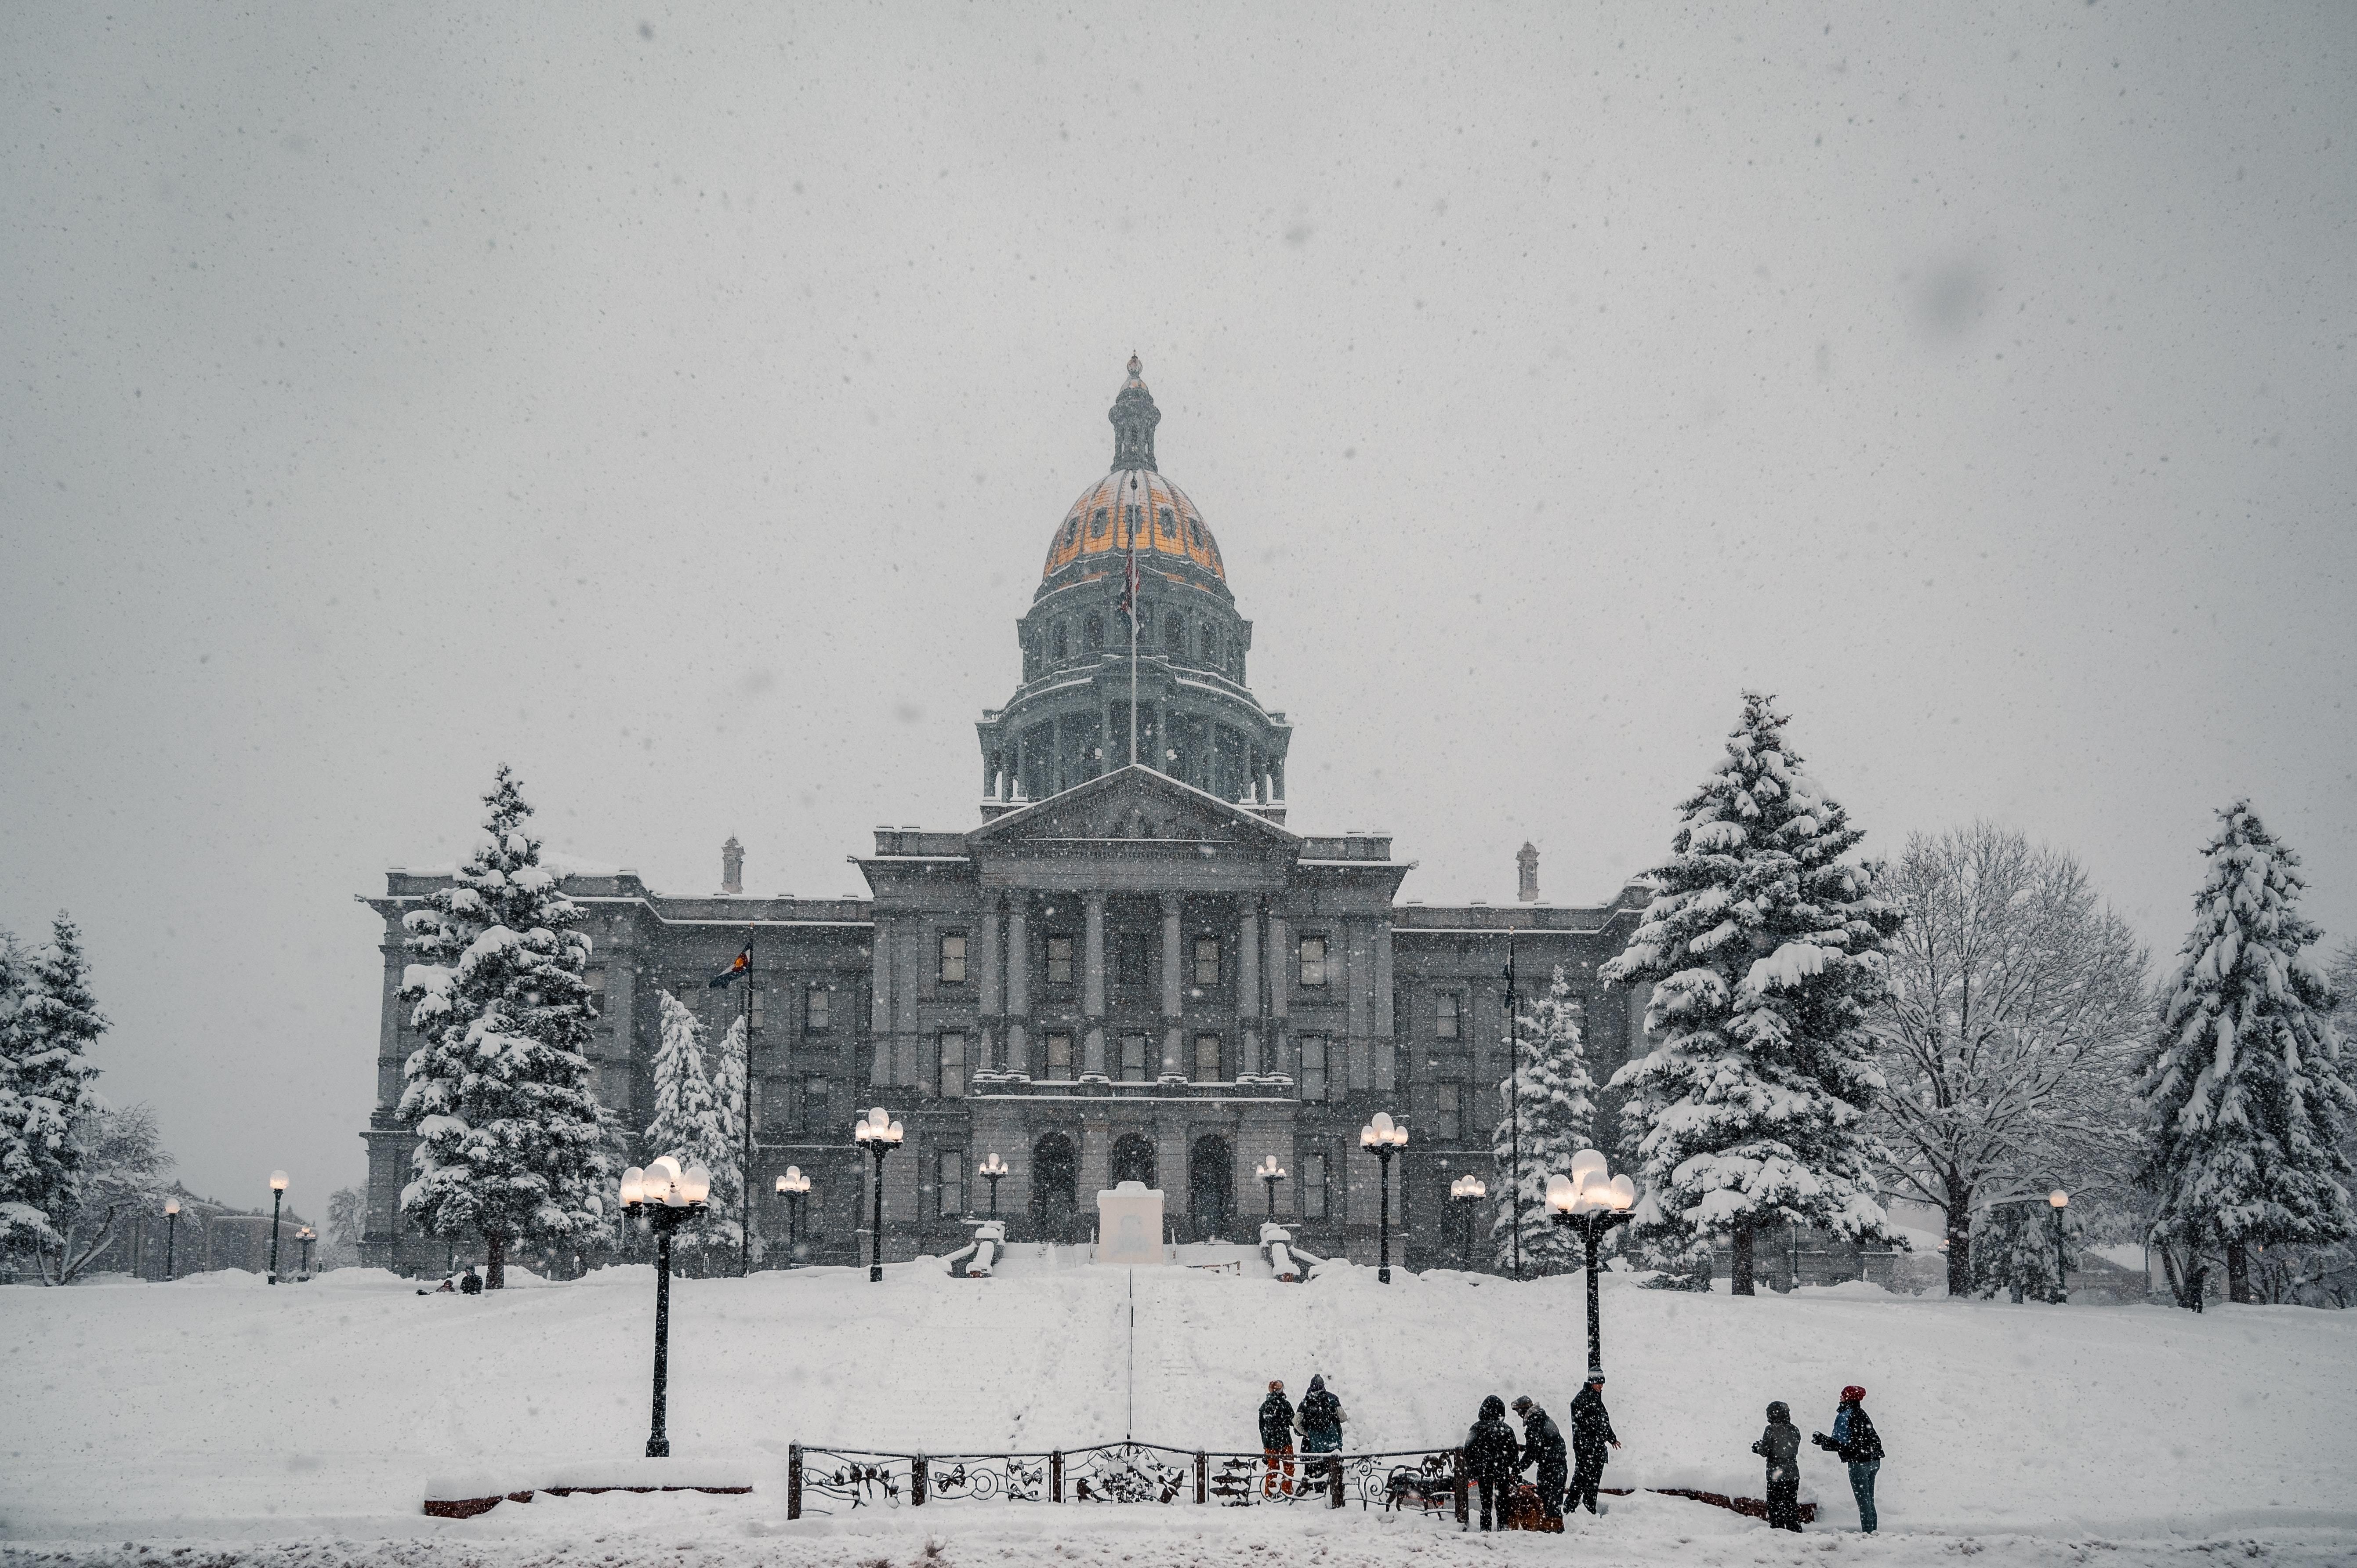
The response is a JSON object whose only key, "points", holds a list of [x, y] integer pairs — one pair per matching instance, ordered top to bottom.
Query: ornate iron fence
{"points": [[826, 1480]]}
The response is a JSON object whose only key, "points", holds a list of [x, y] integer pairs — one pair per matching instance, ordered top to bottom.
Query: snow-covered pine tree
{"points": [[1759, 947], [48, 1021], [2244, 1090], [1550, 1098], [694, 1122], [512, 1141], [725, 1224], [2013, 1251]]}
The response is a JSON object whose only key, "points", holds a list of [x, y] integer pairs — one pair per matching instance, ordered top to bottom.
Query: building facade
{"points": [[1131, 968]]}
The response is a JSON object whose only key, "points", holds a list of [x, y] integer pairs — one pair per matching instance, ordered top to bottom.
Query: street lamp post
{"points": [[1515, 1108], [880, 1135], [1385, 1138], [992, 1169], [1270, 1174], [793, 1186], [1466, 1193], [277, 1196], [667, 1198], [2057, 1201], [1591, 1203], [171, 1236], [306, 1236]]}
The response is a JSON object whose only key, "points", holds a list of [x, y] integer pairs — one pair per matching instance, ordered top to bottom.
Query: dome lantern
{"points": [[1134, 417]]}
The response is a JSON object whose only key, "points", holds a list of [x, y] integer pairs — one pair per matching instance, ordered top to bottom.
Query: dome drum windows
{"points": [[1093, 635], [1062, 642]]}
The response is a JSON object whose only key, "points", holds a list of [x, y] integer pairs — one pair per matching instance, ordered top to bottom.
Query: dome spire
{"points": [[1133, 418]]}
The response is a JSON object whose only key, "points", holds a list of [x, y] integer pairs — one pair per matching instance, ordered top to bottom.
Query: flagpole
{"points": [[1133, 644], [744, 1169]]}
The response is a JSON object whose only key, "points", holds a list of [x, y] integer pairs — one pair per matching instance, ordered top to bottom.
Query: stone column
{"points": [[909, 965], [1358, 978], [1018, 985], [1248, 986], [1093, 988], [1280, 997], [879, 1019], [1386, 1025], [987, 1056], [1173, 1067], [1095, 1174]]}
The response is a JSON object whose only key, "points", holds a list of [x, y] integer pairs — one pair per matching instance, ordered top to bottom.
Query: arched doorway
{"points": [[1133, 1159], [1054, 1186], [1211, 1186]]}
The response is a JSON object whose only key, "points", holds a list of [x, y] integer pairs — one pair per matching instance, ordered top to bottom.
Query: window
{"points": [[1097, 523], [1166, 524], [1195, 532], [1092, 634], [1174, 634], [1062, 640], [1210, 648], [1130, 954], [953, 959], [1059, 960], [1207, 960], [1313, 961], [595, 980], [760, 1001], [819, 1009], [1446, 1015], [1059, 1054], [1133, 1058], [1207, 1058], [1313, 1067], [952, 1079], [1448, 1113], [816, 1114], [949, 1183], [1313, 1187]]}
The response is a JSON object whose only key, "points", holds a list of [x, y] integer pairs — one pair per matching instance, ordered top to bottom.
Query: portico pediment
{"points": [[1139, 808]]}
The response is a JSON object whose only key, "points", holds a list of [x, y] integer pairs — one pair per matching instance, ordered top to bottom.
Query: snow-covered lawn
{"points": [[220, 1409]]}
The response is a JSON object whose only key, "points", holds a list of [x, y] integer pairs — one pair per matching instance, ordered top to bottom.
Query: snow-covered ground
{"points": [[218, 1409]]}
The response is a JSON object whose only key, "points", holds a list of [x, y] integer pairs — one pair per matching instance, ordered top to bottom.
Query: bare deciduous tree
{"points": [[2014, 1000]]}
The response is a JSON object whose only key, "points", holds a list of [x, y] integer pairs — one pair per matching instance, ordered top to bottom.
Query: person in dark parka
{"points": [[470, 1282], [1319, 1422], [1592, 1430], [1277, 1439], [1543, 1446], [1781, 1447], [1860, 1447], [1491, 1451]]}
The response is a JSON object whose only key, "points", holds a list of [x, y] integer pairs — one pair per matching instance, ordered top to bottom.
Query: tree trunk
{"points": [[1960, 1242], [495, 1261], [2238, 1273], [1741, 1282]]}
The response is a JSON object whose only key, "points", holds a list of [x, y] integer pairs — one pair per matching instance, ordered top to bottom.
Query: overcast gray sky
{"points": [[677, 403]]}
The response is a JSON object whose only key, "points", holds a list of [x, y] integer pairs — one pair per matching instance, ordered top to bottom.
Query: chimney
{"points": [[1528, 860], [732, 866]]}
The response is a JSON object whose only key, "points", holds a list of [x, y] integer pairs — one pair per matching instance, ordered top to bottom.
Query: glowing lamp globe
{"points": [[1588, 1164], [278, 1181], [634, 1185], [696, 1185], [1624, 1192], [1561, 1195], [2057, 1198], [171, 1206]]}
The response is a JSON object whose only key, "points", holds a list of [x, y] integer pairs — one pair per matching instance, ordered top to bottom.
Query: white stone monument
{"points": [[1129, 1225]]}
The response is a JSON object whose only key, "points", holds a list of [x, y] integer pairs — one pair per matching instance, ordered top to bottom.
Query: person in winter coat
{"points": [[470, 1282], [1319, 1422], [1591, 1428], [1277, 1439], [1543, 1446], [1781, 1447], [1860, 1447], [1490, 1452]]}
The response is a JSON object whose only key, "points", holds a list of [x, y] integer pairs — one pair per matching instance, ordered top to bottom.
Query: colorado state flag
{"points": [[742, 966]]}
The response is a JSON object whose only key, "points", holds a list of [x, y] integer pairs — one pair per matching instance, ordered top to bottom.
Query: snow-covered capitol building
{"points": [[1128, 970]]}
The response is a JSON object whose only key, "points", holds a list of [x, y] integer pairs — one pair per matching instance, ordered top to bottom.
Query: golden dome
{"points": [[1134, 506]]}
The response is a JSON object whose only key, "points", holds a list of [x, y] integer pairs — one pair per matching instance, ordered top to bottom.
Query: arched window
{"points": [[1097, 524], [1166, 526], [1071, 531], [1195, 532], [1174, 634], [1093, 635], [1062, 643], [1210, 645]]}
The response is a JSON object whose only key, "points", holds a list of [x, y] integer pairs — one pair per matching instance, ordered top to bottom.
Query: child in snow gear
{"points": [[470, 1282], [1319, 1422], [1591, 1428], [1277, 1438], [1543, 1446], [1781, 1447], [1860, 1447], [1490, 1455]]}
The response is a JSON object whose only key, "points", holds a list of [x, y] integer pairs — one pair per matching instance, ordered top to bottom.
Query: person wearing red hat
{"points": [[1276, 1440], [1860, 1447]]}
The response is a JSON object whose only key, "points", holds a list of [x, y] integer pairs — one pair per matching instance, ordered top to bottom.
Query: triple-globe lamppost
{"points": [[879, 1135], [1384, 1138], [993, 1170], [1270, 1174], [793, 1186], [1466, 1193], [277, 1196], [666, 1197], [1591, 1202]]}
